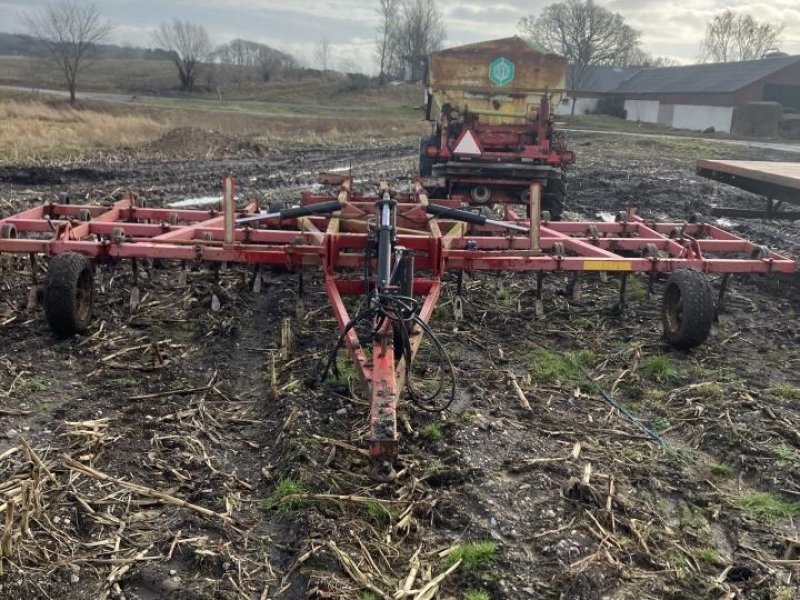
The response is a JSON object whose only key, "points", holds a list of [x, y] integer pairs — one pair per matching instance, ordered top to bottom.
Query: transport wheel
{"points": [[554, 197], [8, 232], [69, 294], [688, 308]]}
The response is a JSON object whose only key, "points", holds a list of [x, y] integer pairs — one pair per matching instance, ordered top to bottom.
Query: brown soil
{"points": [[175, 397]]}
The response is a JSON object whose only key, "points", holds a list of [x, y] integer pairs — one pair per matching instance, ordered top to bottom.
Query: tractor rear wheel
{"points": [[554, 196], [69, 294], [688, 308]]}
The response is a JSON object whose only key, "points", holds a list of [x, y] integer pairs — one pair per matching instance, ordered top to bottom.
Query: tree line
{"points": [[582, 31]]}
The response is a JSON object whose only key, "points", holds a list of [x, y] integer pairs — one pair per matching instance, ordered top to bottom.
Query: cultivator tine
{"points": [[34, 265], [183, 276], [256, 279], [574, 287], [723, 288], [136, 293], [623, 294], [33, 298], [458, 301], [538, 304], [458, 308], [287, 340]]}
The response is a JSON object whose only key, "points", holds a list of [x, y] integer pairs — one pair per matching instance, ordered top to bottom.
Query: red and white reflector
{"points": [[468, 145]]}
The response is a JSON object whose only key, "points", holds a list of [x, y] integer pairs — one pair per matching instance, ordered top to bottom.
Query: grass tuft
{"points": [[566, 366], [659, 368], [785, 391], [432, 432], [721, 471], [281, 500], [764, 506], [380, 513], [473, 554], [708, 556], [476, 595]]}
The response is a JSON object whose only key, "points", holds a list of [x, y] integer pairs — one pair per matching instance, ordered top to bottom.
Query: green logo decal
{"points": [[501, 71]]}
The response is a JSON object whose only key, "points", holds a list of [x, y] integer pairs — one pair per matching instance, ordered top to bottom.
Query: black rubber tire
{"points": [[554, 197], [69, 294], [687, 309]]}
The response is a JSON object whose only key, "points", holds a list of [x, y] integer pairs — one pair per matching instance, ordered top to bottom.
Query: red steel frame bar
{"points": [[338, 243]]}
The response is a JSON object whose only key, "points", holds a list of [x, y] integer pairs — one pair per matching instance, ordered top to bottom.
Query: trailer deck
{"points": [[778, 182]]}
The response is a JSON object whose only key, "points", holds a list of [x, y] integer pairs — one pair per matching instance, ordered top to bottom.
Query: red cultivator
{"points": [[392, 249]]}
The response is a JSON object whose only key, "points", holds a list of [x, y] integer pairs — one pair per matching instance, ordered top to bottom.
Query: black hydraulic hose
{"points": [[310, 209], [455, 214], [401, 311]]}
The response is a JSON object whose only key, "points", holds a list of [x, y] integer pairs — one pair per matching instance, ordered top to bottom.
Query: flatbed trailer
{"points": [[777, 182], [392, 250]]}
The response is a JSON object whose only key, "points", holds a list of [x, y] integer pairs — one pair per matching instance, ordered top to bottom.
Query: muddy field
{"points": [[155, 458]]}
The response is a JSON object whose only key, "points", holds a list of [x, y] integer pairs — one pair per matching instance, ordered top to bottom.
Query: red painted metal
{"points": [[338, 242]]}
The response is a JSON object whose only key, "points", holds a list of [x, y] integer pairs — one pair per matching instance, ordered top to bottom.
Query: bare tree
{"points": [[420, 29], [66, 31], [585, 34], [733, 37], [188, 44], [385, 44], [322, 53], [639, 58], [243, 60]]}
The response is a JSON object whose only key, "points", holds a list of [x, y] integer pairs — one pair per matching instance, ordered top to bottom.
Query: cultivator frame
{"points": [[389, 247]]}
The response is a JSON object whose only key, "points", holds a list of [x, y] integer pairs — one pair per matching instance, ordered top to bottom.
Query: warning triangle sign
{"points": [[468, 145]]}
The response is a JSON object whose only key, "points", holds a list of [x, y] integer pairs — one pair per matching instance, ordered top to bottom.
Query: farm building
{"points": [[588, 85], [746, 98]]}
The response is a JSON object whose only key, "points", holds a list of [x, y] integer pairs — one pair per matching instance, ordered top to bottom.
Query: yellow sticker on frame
{"points": [[607, 265]]}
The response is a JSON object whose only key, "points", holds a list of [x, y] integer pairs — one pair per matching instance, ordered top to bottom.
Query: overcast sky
{"points": [[671, 28]]}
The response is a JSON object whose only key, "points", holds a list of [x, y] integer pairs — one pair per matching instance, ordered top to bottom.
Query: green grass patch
{"points": [[637, 289], [506, 298], [566, 366], [659, 368], [345, 371], [33, 385], [785, 391], [467, 416], [660, 423], [432, 431], [787, 457], [721, 471], [281, 499], [764, 506], [380, 513], [692, 518], [473, 554], [708, 556], [476, 595], [367, 596]]}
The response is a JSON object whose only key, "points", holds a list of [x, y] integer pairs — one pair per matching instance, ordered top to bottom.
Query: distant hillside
{"points": [[20, 44]]}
